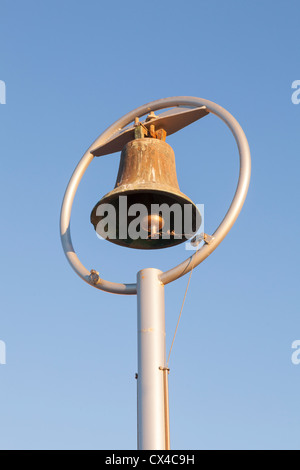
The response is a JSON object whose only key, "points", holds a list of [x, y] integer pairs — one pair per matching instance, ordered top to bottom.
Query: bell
{"points": [[146, 209]]}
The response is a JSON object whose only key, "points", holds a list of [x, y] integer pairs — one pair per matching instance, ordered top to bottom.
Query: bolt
{"points": [[151, 116], [94, 277]]}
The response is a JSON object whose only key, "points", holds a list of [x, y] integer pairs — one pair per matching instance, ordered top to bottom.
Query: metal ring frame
{"points": [[218, 235]]}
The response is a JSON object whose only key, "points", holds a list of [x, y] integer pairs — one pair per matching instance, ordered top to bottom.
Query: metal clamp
{"points": [[202, 237], [94, 277]]}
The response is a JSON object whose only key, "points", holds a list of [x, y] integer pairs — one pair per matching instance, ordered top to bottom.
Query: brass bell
{"points": [[148, 210]]}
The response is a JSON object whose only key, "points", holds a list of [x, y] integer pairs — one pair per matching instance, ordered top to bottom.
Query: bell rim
{"points": [[152, 188], [126, 190], [155, 246]]}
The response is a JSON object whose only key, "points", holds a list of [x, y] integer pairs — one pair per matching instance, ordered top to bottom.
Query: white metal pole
{"points": [[151, 358]]}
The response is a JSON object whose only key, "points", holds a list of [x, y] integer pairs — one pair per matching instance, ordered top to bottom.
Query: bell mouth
{"points": [[146, 219]]}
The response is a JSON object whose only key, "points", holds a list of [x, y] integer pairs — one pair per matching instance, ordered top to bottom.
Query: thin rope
{"points": [[181, 310]]}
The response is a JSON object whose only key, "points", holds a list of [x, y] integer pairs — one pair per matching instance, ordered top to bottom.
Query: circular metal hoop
{"points": [[218, 235]]}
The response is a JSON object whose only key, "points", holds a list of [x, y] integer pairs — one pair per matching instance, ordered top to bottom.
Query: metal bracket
{"points": [[170, 121], [140, 131], [202, 237], [94, 277], [164, 369]]}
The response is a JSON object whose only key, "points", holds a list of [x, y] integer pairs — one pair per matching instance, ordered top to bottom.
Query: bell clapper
{"points": [[153, 224]]}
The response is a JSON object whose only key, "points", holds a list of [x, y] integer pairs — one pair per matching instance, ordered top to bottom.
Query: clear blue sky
{"points": [[71, 69]]}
